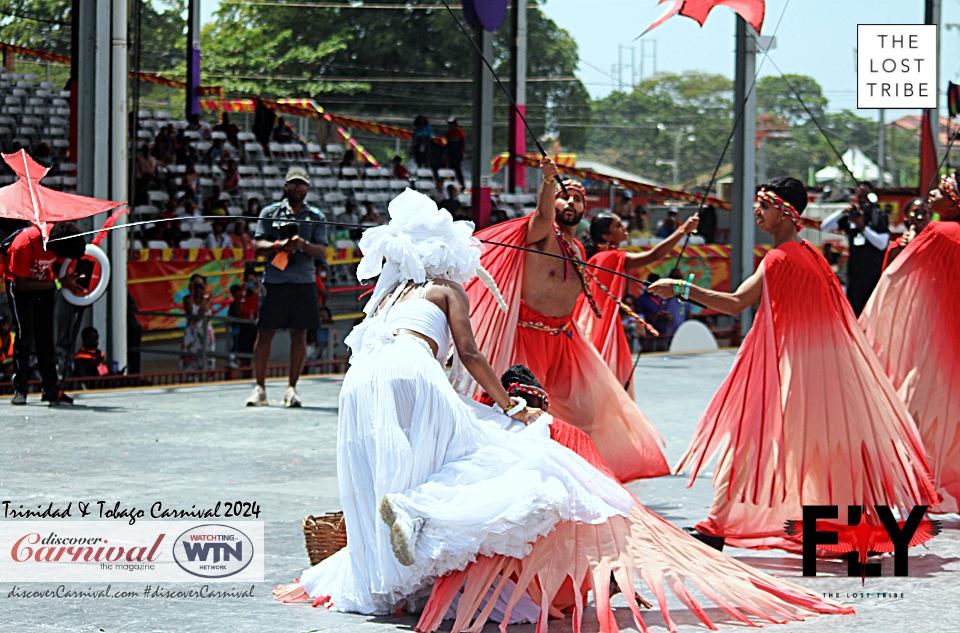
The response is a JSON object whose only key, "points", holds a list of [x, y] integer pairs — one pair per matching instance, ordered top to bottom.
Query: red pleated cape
{"points": [[913, 323], [606, 333], [582, 389], [806, 415], [575, 558]]}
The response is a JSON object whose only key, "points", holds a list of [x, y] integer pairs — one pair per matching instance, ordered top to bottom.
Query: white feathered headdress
{"points": [[421, 241]]}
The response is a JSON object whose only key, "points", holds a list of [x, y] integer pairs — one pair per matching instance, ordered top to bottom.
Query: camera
{"points": [[854, 212], [285, 229]]}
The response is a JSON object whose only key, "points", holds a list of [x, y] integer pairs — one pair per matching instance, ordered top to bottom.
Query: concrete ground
{"points": [[199, 445]]}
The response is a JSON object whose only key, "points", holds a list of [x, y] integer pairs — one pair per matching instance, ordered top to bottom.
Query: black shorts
{"points": [[289, 306]]}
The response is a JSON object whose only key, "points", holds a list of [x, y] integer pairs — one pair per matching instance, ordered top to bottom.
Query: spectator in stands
{"points": [[199, 125], [228, 128], [284, 133], [422, 139], [456, 147], [163, 149], [186, 152], [215, 153], [42, 154], [349, 160], [399, 169], [146, 174], [231, 177], [190, 181], [451, 203], [214, 205], [623, 206], [190, 208], [253, 208], [498, 216], [351, 217], [371, 217], [639, 224], [708, 224], [669, 225], [172, 234], [240, 236], [218, 238], [32, 284], [323, 290], [290, 299], [648, 306], [233, 311], [629, 322], [326, 332], [134, 335], [247, 335], [198, 339], [7, 344], [89, 361]]}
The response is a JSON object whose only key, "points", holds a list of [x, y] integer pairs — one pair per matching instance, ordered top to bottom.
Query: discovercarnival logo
{"points": [[213, 550]]}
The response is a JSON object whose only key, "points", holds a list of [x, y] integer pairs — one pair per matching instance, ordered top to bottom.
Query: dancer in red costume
{"points": [[916, 217], [922, 289], [539, 330], [606, 333], [806, 416], [607, 558]]}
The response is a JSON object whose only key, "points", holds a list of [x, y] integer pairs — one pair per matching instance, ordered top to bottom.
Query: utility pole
{"points": [[932, 16], [193, 58], [482, 130], [101, 149], [881, 149], [744, 164], [517, 171]]}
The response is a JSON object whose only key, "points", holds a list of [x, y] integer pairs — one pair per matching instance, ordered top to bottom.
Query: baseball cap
{"points": [[452, 120], [297, 173]]}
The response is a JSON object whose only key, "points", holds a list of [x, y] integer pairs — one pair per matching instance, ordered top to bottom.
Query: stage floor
{"points": [[199, 445]]}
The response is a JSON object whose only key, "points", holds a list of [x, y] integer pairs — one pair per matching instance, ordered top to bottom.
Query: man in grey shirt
{"points": [[288, 298]]}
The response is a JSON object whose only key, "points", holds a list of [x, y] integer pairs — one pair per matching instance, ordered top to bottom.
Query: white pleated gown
{"points": [[481, 490]]}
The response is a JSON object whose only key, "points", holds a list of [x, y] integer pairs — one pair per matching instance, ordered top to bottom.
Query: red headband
{"points": [[949, 184], [571, 185], [765, 195], [530, 390]]}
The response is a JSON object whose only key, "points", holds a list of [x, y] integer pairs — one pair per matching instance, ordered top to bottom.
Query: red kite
{"points": [[750, 10], [28, 200]]}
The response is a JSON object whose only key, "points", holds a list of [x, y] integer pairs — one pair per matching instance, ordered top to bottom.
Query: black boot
{"points": [[716, 542]]}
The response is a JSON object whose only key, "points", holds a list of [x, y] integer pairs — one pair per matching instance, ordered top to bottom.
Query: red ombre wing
{"points": [[750, 10]]}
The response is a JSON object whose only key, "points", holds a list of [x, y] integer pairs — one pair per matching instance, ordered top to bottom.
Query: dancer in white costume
{"points": [[401, 423]]}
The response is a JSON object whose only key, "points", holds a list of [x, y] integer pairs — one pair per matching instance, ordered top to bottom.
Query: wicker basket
{"points": [[324, 535]]}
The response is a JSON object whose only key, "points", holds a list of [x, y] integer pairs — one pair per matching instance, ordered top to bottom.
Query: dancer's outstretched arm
{"points": [[541, 224], [661, 250], [729, 303], [458, 315]]}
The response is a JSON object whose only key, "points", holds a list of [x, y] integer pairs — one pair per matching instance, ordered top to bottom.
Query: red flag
{"points": [[750, 10], [928, 156]]}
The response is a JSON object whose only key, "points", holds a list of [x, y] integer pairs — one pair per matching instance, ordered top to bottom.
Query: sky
{"points": [[815, 37]]}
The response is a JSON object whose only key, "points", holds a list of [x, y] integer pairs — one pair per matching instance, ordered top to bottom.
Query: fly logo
{"points": [[213, 551]]}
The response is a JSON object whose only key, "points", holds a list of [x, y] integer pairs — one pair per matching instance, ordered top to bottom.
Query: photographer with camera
{"points": [[866, 227], [32, 283], [289, 289]]}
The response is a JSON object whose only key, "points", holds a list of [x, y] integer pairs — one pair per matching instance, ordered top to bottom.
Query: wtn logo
{"points": [[858, 539], [202, 550], [213, 551]]}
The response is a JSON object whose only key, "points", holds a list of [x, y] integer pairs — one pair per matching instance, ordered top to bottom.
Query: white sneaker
{"points": [[258, 398], [290, 398], [404, 530]]}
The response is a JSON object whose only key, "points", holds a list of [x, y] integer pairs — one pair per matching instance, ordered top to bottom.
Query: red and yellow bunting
{"points": [[563, 160]]}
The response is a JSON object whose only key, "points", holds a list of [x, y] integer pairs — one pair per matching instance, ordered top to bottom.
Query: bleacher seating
{"points": [[32, 111]]}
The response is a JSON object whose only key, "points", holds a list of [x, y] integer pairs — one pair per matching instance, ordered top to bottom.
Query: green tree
{"points": [[40, 24], [670, 117]]}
